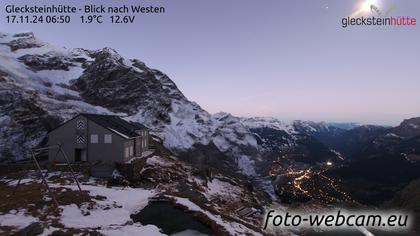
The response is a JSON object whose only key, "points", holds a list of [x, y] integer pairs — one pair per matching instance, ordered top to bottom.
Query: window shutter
{"points": [[80, 124], [80, 139]]}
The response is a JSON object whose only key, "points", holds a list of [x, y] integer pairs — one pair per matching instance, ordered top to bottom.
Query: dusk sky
{"points": [[285, 59]]}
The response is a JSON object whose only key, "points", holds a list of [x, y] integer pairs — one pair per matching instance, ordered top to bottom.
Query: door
{"points": [[77, 155], [80, 155]]}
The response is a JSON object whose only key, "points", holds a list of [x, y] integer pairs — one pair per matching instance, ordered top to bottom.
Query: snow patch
{"points": [[268, 122], [158, 161], [246, 165], [220, 188], [131, 201], [72, 216], [18, 219]]}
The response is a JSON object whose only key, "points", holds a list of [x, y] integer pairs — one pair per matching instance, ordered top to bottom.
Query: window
{"points": [[94, 138], [108, 138], [145, 139], [131, 151], [126, 152]]}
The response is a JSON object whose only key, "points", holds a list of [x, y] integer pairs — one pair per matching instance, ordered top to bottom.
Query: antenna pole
{"points": [[43, 178]]}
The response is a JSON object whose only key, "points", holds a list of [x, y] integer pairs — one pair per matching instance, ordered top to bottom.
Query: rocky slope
{"points": [[114, 208]]}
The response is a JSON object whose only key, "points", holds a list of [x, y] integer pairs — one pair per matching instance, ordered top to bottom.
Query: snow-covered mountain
{"points": [[42, 85]]}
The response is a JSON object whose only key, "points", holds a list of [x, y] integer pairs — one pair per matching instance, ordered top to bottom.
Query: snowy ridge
{"points": [[46, 82], [268, 122]]}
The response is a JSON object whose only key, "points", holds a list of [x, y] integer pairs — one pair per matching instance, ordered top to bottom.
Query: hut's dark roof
{"points": [[113, 123], [116, 124]]}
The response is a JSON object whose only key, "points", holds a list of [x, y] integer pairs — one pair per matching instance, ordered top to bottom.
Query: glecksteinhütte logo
{"points": [[370, 13]]}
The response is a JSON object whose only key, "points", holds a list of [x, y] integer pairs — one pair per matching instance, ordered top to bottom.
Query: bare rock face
{"points": [[23, 41], [45, 62], [2, 76], [126, 86], [23, 124], [408, 128], [408, 197], [33, 229]]}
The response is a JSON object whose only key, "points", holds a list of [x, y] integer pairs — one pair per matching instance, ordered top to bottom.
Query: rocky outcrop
{"points": [[23, 41], [45, 62], [126, 86], [23, 124], [409, 128]]}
